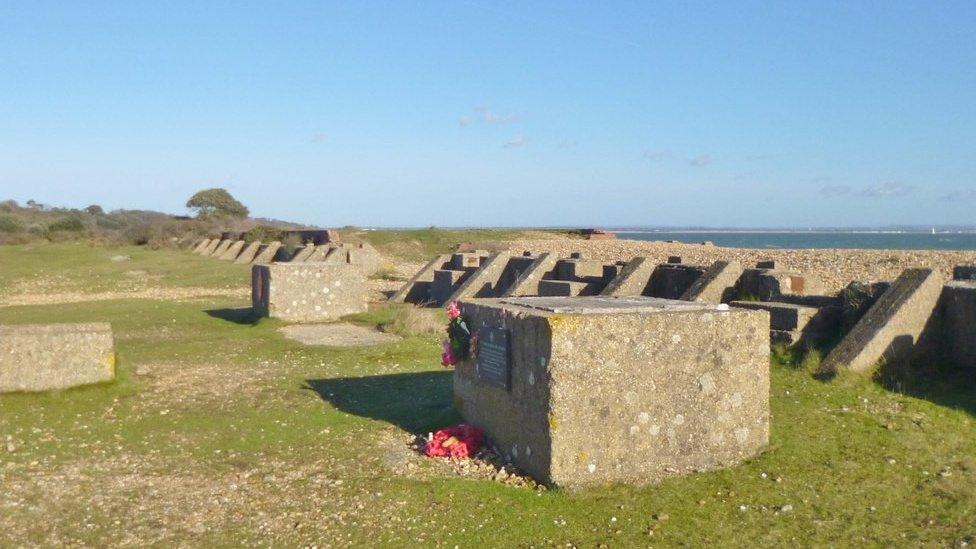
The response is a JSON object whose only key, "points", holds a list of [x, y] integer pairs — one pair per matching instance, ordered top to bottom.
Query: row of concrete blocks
{"points": [[362, 255], [868, 318]]}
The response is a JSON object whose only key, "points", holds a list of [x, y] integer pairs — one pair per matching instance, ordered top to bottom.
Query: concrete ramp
{"points": [[221, 248], [198, 249], [232, 251], [267, 253], [248, 254], [529, 279], [632, 280], [483, 281], [716, 285], [417, 289], [891, 327]]}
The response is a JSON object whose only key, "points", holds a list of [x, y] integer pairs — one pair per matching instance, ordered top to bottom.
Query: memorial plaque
{"points": [[494, 362]]}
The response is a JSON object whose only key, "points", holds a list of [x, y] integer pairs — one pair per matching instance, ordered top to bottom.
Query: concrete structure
{"points": [[202, 245], [210, 248], [221, 248], [232, 251], [267, 253], [248, 254], [302, 254], [542, 267], [964, 272], [451, 276], [632, 280], [672, 280], [484, 281], [716, 284], [772, 284], [417, 289], [307, 292], [856, 299], [958, 304], [793, 324], [891, 327], [37, 357], [593, 390]]}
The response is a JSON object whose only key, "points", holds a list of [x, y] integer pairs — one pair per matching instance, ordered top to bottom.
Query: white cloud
{"points": [[492, 117], [464, 121], [318, 138], [515, 143], [657, 155], [700, 160], [889, 189], [835, 190], [964, 195]]}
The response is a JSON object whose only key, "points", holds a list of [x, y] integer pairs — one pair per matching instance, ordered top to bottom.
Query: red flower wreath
{"points": [[460, 441]]}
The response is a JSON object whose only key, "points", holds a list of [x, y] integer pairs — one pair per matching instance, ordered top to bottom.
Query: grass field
{"points": [[220, 431]]}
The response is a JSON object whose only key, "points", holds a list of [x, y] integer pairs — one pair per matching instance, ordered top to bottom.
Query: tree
{"points": [[216, 202], [94, 209]]}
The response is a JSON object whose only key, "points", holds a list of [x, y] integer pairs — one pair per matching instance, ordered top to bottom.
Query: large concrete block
{"points": [[210, 248], [221, 248], [198, 249], [232, 251], [268, 253], [248, 254], [302, 254], [577, 269], [964, 272], [632, 280], [672, 280], [446, 281], [484, 281], [528, 281], [774, 284], [716, 285], [564, 288], [417, 289], [307, 292], [959, 323], [792, 324], [891, 327], [38, 357], [593, 390]]}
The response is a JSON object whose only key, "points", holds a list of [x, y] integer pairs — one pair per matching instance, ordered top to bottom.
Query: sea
{"points": [[813, 240]]}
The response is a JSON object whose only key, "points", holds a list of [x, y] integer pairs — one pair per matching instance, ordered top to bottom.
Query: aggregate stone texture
{"points": [[716, 285], [307, 292], [959, 321], [338, 334], [36, 357], [630, 391]]}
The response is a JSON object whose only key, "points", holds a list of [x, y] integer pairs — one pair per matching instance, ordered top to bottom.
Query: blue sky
{"points": [[497, 113]]}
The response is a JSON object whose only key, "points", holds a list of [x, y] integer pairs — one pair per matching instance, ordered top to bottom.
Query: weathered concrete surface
{"points": [[211, 248], [221, 248], [198, 249], [232, 251], [268, 252], [303, 253], [321, 253], [248, 254], [364, 256], [577, 269], [964, 272], [528, 280], [632, 280], [672, 280], [446, 281], [482, 282], [774, 284], [716, 285], [566, 288], [417, 289], [307, 292], [857, 298], [958, 304], [795, 324], [891, 327], [37, 357], [631, 393]]}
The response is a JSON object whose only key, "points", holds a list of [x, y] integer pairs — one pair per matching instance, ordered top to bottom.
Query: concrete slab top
{"points": [[604, 304]]}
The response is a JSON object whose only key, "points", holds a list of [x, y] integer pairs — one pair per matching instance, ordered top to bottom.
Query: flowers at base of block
{"points": [[457, 347], [459, 442]]}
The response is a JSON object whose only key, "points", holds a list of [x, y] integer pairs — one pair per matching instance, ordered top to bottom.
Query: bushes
{"points": [[10, 224], [67, 224]]}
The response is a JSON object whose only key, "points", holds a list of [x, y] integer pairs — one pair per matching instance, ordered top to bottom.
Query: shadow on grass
{"points": [[239, 315], [416, 402]]}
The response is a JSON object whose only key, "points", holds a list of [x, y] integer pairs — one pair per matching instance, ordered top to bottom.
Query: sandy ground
{"points": [[836, 268]]}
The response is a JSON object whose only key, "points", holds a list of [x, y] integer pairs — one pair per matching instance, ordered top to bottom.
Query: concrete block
{"points": [[221, 248], [198, 249], [232, 251], [268, 253], [303, 253], [321, 253], [248, 254], [365, 257], [465, 260], [767, 264], [542, 267], [577, 269], [964, 272], [512, 273], [633, 279], [446, 281], [484, 281], [671, 281], [773, 284], [716, 285], [557, 288], [417, 289], [307, 292], [857, 298], [791, 323], [959, 323], [891, 327], [36, 357], [595, 390]]}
